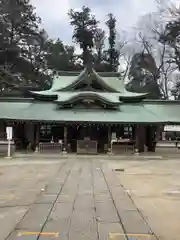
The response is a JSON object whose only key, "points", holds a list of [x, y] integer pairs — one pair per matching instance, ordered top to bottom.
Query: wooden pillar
{"points": [[2, 130], [159, 132], [133, 133], [29, 135], [37, 135], [139, 138], [109, 139], [150, 139], [65, 140], [136, 148]]}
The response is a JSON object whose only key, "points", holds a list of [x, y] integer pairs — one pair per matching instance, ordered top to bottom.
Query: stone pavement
{"points": [[67, 200]]}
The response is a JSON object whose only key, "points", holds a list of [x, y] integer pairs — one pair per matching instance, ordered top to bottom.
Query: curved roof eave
{"points": [[44, 93], [91, 95], [130, 95]]}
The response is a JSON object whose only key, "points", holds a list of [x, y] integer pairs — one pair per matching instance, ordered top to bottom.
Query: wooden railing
{"points": [[168, 146], [45, 147]]}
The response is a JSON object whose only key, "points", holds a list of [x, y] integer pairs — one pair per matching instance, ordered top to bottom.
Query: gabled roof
{"points": [[66, 81], [113, 90]]}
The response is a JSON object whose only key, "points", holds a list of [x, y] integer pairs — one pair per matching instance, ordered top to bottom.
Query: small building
{"points": [[86, 112]]}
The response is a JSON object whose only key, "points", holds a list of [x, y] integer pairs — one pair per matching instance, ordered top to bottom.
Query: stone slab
{"points": [[53, 188], [69, 190], [118, 190], [87, 191], [100, 191], [103, 197], [46, 198], [66, 198], [19, 200], [84, 202], [124, 203], [61, 211], [106, 212], [80, 216], [35, 217], [9, 218], [134, 223], [58, 226], [104, 229], [83, 230], [19, 235], [119, 236]]}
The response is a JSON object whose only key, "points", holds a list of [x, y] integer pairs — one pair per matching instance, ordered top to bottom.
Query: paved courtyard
{"points": [[89, 199]]}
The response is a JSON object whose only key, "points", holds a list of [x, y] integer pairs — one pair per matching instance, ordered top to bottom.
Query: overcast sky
{"points": [[55, 20]]}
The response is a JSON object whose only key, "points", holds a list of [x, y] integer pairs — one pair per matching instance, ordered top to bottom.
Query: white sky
{"points": [[56, 22]]}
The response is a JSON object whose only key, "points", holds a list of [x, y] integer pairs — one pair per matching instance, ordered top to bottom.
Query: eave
{"points": [[91, 96], [130, 96]]}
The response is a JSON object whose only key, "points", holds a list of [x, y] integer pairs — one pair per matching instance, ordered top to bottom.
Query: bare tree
{"points": [[148, 32], [125, 63], [160, 73]]}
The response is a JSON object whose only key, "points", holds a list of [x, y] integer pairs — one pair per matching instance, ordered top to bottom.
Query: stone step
{"points": [[75, 156]]}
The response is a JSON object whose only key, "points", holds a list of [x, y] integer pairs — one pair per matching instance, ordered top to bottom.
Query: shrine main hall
{"points": [[86, 112]]}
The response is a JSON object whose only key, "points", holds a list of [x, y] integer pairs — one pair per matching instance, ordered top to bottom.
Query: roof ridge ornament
{"points": [[89, 63], [89, 67]]}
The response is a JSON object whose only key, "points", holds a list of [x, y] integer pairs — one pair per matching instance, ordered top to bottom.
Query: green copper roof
{"points": [[66, 81], [61, 82], [67, 86], [67, 94], [41, 111], [166, 111], [144, 112]]}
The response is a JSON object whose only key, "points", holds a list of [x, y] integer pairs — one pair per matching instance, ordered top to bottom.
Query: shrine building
{"points": [[86, 112]]}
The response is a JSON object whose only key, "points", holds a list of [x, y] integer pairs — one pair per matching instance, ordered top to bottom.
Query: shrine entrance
{"points": [[20, 139], [88, 139]]}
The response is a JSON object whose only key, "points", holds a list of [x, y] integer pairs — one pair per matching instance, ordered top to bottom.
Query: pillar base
{"points": [[36, 149], [64, 151], [109, 151], [136, 152], [8, 157]]}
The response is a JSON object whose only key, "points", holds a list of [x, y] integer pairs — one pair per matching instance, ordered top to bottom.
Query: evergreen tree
{"points": [[85, 26], [19, 34], [113, 54], [61, 57]]}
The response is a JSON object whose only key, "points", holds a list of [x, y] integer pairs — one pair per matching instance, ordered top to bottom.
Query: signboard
{"points": [[172, 128], [9, 131]]}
